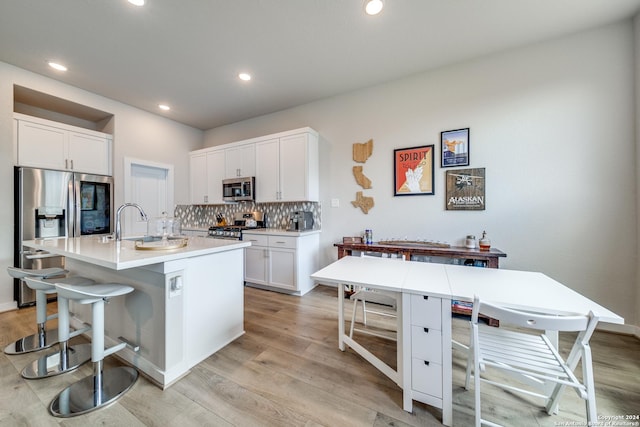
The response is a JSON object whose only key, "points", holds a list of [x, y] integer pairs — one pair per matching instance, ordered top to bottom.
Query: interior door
{"points": [[151, 187]]}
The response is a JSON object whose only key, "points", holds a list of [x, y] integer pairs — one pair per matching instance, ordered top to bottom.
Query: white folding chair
{"points": [[386, 301], [530, 358]]}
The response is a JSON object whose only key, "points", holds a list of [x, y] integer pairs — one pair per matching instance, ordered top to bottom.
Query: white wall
{"points": [[636, 38], [553, 124], [137, 134]]}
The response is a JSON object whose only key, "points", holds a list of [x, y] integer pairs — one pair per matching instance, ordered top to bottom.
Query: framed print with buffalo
{"points": [[455, 147], [413, 171], [465, 189]]}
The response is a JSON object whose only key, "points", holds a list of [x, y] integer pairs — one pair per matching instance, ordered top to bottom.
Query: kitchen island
{"points": [[188, 302]]}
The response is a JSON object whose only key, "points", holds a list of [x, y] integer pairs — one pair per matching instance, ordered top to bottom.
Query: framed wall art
{"points": [[455, 147], [413, 171], [465, 189]]}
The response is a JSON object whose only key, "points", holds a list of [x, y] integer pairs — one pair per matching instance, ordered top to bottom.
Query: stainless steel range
{"points": [[241, 221]]}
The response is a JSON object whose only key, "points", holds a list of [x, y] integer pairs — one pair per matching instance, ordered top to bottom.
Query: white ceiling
{"points": [[187, 53]]}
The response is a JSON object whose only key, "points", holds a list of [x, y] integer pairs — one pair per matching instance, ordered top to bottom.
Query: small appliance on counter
{"points": [[301, 221]]}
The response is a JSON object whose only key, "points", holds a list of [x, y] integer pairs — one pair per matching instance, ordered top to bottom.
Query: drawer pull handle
{"points": [[425, 296], [426, 330], [426, 362]]}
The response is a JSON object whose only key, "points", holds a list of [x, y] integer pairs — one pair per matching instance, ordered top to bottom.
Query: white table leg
{"points": [[341, 345], [404, 355]]}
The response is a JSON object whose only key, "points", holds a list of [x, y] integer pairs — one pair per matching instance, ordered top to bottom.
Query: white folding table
{"points": [[424, 313]]}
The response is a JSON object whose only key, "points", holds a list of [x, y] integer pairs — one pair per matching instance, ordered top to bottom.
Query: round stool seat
{"points": [[21, 273], [48, 285], [92, 293]]}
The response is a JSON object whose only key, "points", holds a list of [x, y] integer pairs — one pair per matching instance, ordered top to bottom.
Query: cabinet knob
{"points": [[425, 296], [426, 330], [426, 362]]}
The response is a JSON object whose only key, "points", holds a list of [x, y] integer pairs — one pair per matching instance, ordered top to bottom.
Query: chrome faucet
{"points": [[118, 213]]}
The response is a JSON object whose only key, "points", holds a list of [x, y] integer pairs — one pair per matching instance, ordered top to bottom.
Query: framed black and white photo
{"points": [[454, 148]]}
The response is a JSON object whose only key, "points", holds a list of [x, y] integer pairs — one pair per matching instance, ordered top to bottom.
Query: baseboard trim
{"points": [[8, 306]]}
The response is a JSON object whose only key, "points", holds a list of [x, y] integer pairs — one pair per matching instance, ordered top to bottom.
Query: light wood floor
{"points": [[287, 370]]}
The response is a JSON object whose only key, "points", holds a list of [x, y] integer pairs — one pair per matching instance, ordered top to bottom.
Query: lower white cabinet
{"points": [[282, 261], [427, 329]]}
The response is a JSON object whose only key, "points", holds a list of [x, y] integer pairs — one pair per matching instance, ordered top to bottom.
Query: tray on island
{"points": [[161, 245]]}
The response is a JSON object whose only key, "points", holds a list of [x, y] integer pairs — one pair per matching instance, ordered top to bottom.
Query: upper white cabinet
{"points": [[47, 144], [240, 161], [285, 165], [287, 168], [207, 170], [215, 175], [198, 178]]}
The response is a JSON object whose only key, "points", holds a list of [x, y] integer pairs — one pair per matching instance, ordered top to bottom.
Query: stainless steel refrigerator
{"points": [[50, 204]]}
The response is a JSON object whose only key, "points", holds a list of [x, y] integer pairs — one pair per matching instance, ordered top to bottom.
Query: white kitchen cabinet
{"points": [[51, 145], [240, 161], [285, 165], [287, 168], [268, 170], [206, 172], [215, 175], [198, 178], [282, 262], [256, 268]]}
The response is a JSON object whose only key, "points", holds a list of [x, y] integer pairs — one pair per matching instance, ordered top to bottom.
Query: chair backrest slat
{"points": [[530, 320]]}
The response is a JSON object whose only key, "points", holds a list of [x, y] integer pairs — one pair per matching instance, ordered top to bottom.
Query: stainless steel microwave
{"points": [[238, 189]]}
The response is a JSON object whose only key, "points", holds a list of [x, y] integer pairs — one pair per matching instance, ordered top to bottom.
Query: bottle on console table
{"points": [[368, 236]]}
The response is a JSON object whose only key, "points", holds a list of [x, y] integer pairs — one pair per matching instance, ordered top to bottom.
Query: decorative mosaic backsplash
{"points": [[277, 214]]}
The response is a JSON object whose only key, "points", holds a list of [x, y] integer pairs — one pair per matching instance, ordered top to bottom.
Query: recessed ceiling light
{"points": [[137, 2], [373, 7], [57, 66], [244, 76], [164, 107]]}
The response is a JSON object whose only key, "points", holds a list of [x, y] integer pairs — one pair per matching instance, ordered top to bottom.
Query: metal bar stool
{"points": [[43, 338], [66, 358], [101, 388]]}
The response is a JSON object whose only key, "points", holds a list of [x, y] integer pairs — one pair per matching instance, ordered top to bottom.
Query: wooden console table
{"points": [[491, 257]]}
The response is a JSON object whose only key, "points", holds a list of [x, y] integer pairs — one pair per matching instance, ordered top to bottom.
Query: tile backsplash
{"points": [[277, 214]]}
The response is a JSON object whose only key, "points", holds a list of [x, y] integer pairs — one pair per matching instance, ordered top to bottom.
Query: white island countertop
{"points": [[123, 255]]}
